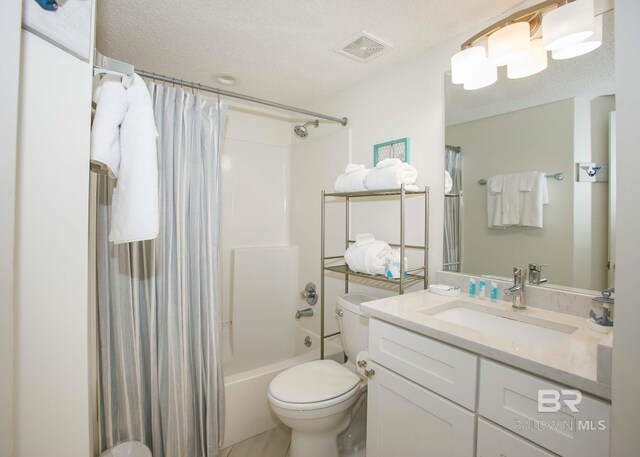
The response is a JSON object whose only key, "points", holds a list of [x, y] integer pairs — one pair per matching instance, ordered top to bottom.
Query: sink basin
{"points": [[505, 324]]}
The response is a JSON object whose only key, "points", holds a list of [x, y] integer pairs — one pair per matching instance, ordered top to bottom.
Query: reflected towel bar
{"points": [[556, 176]]}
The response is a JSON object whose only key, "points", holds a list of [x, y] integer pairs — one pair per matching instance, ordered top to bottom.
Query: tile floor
{"points": [[272, 443]]}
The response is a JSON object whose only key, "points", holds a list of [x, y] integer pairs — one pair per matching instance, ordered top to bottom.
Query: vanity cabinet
{"points": [[509, 397], [427, 398], [407, 420], [494, 441]]}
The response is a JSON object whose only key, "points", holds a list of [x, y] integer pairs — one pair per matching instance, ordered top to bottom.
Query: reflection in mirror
{"points": [[498, 212]]}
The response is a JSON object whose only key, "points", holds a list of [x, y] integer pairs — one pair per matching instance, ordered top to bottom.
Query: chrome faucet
{"points": [[535, 273], [517, 290], [308, 312]]}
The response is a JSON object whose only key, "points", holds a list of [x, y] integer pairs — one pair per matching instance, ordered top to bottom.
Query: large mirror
{"points": [[558, 122]]}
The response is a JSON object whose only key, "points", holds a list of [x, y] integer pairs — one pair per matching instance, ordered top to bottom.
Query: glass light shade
{"points": [[567, 25], [509, 43], [585, 46], [533, 62], [462, 63], [484, 73]]}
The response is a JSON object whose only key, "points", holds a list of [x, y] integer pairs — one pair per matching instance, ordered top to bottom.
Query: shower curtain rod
{"points": [[107, 65]]}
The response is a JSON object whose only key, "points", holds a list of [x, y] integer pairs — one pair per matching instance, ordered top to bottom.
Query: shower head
{"points": [[302, 131]]}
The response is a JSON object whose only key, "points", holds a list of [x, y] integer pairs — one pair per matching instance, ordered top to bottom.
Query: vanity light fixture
{"points": [[567, 25], [567, 28], [509, 43], [583, 47], [530, 63]]}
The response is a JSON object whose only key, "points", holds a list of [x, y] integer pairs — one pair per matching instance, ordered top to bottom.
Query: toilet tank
{"points": [[354, 326]]}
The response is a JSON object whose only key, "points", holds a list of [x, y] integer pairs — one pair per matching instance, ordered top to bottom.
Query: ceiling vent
{"points": [[364, 47]]}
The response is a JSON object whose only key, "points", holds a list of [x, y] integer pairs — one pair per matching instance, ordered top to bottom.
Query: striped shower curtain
{"points": [[452, 211], [159, 309]]}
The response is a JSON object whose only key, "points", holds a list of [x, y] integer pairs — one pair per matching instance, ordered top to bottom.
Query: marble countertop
{"points": [[572, 361]]}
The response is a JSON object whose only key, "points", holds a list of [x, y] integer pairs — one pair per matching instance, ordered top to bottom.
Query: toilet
{"points": [[319, 399]]}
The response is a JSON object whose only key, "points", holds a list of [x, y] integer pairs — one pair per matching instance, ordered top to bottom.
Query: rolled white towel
{"points": [[391, 162], [353, 167], [391, 177], [352, 182], [364, 238], [370, 258]]}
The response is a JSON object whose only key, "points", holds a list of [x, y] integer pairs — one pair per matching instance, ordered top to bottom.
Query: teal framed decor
{"points": [[391, 149]]}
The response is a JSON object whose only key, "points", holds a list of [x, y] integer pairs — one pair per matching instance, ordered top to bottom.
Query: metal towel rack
{"points": [[556, 176]]}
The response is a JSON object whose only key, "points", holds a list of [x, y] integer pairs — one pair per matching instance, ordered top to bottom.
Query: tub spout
{"points": [[304, 313]]}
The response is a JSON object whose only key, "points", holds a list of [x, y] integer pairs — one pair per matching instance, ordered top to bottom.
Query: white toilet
{"points": [[319, 399]]}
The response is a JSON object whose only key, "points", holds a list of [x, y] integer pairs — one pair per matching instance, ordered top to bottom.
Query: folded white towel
{"points": [[111, 106], [391, 162], [353, 167], [391, 176], [352, 182], [448, 182], [511, 198], [134, 211], [364, 238], [370, 258]]}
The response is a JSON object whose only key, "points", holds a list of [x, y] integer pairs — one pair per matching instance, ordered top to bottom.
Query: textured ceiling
{"points": [[280, 49], [589, 75]]}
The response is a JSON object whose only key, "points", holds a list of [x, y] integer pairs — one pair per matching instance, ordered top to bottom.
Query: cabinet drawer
{"points": [[447, 371], [509, 398], [407, 420], [494, 441]]}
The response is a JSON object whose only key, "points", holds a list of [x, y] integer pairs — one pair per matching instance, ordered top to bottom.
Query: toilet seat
{"points": [[313, 385]]}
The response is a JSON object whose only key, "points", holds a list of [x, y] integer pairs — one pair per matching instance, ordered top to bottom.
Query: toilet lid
{"points": [[312, 382]]}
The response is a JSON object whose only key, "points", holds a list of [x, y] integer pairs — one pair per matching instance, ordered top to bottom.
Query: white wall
{"points": [[10, 14], [510, 143], [256, 153], [315, 163], [51, 320], [626, 339]]}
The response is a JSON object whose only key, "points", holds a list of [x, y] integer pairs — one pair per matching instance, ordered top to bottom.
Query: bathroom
{"points": [[290, 109]]}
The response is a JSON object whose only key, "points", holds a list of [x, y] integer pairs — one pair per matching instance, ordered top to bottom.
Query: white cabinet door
{"points": [[443, 369], [509, 397], [406, 420], [494, 441]]}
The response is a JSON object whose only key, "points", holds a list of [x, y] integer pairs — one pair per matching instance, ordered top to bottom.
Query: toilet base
{"points": [[317, 444]]}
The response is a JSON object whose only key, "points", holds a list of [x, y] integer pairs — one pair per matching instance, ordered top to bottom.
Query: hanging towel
{"points": [[111, 106], [391, 175], [352, 180], [448, 182], [511, 188], [494, 202], [134, 210], [531, 211], [370, 258]]}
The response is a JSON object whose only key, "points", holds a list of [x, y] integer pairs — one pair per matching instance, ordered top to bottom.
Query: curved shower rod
{"points": [[104, 64]]}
